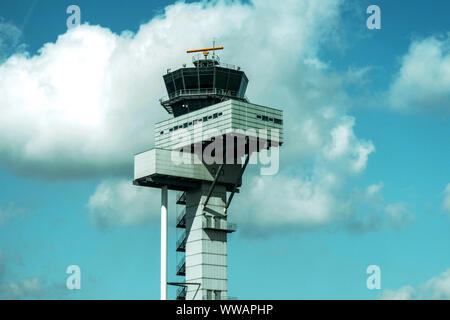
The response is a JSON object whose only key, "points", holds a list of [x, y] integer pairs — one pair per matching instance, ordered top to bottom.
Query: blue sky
{"points": [[66, 151]]}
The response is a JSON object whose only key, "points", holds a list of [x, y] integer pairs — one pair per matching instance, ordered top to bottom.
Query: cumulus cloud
{"points": [[9, 39], [423, 81], [84, 104], [315, 168], [446, 202], [119, 203], [309, 203], [269, 204], [369, 211], [14, 288], [31, 288], [437, 288], [24, 289], [404, 293]]}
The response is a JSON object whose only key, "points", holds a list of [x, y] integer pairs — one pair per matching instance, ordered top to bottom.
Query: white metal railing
{"points": [[201, 56], [216, 58], [230, 66], [194, 92], [218, 224], [214, 297]]}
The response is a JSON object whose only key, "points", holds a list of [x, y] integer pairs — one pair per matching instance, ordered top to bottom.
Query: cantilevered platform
{"points": [[156, 168]]}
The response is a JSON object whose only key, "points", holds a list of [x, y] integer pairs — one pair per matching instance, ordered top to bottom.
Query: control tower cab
{"points": [[206, 83]]}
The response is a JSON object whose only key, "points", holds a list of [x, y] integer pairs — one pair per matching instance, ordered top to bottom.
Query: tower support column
{"points": [[164, 243], [206, 245]]}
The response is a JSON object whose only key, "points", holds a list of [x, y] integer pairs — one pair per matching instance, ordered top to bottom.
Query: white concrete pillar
{"points": [[164, 243]]}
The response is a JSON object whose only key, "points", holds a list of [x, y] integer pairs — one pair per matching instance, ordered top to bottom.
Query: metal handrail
{"points": [[200, 57], [216, 58], [230, 66], [187, 92], [181, 197], [181, 216], [222, 224], [182, 239], [180, 266], [181, 292]]}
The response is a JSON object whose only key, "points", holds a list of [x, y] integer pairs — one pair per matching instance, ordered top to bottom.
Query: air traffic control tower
{"points": [[202, 152]]}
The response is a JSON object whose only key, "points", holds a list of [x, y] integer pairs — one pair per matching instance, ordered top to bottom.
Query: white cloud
{"points": [[9, 39], [423, 82], [87, 102], [315, 169], [118, 202], [446, 202], [271, 203], [369, 211], [437, 288], [24, 289], [404, 293]]}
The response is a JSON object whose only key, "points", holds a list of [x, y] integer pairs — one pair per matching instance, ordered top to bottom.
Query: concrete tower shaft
{"points": [[206, 244]]}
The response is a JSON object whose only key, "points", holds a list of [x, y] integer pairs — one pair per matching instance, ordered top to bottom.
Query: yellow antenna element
{"points": [[205, 51]]}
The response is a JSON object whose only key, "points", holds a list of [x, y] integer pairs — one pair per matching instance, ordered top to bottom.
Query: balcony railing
{"points": [[214, 59], [196, 92], [181, 198], [181, 219], [216, 223], [181, 242], [181, 268], [181, 293], [213, 297]]}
